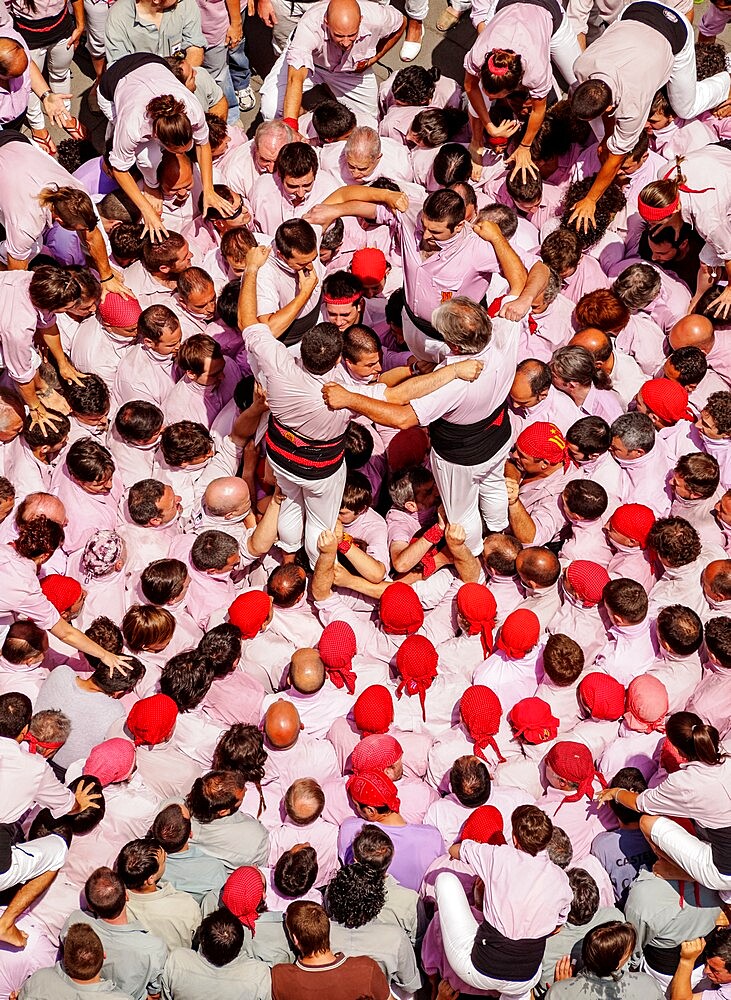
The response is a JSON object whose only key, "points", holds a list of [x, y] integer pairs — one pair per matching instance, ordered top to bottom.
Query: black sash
{"points": [[552, 6], [663, 19], [40, 32], [123, 67], [10, 135], [421, 324], [299, 327], [471, 444], [302, 456], [720, 841], [502, 958], [665, 960]]}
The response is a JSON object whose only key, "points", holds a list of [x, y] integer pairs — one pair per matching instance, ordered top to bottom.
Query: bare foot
{"points": [[414, 30], [669, 870], [11, 934]]}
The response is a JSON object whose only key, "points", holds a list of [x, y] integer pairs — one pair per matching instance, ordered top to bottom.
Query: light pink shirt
{"points": [[524, 29], [311, 46], [15, 93], [133, 129], [393, 163], [236, 166], [271, 204], [587, 277], [19, 320], [553, 330], [144, 375], [190, 401], [557, 408], [644, 480], [542, 500], [87, 512], [587, 541], [632, 563], [206, 593], [21, 595], [584, 625], [631, 651], [511, 680], [234, 698], [317, 711], [308, 758], [697, 790], [581, 820], [321, 835], [545, 897]]}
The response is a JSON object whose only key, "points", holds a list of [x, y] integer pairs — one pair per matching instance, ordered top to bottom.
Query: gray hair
{"points": [[275, 130], [364, 140], [504, 217], [638, 285], [553, 287], [463, 324], [574, 364], [537, 373], [635, 430], [100, 554], [50, 726]]}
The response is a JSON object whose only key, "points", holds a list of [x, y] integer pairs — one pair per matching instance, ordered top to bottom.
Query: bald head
{"points": [[343, 22], [13, 60], [268, 140], [364, 142], [175, 175], [692, 331], [595, 341], [531, 383], [11, 416], [227, 497], [41, 504], [500, 552], [537, 567], [716, 580], [306, 671], [282, 724], [304, 801]]}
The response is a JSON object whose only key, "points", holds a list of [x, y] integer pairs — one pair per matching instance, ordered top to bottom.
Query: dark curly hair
{"points": [[611, 202], [675, 540], [241, 748], [355, 896]]}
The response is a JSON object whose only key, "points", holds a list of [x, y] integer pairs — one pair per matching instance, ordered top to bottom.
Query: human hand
{"points": [[266, 13], [234, 34], [75, 37], [56, 110], [505, 129], [523, 163], [213, 200], [397, 201], [321, 215], [584, 215], [153, 225], [487, 230], [256, 257], [307, 280], [115, 284], [722, 304], [516, 309], [468, 370], [68, 373], [336, 396], [513, 489], [455, 536], [327, 542], [117, 664], [86, 797], [690, 950], [564, 969], [445, 991]]}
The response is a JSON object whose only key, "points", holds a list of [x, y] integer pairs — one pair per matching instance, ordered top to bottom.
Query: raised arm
{"points": [[511, 266], [247, 309], [279, 321], [323, 576]]}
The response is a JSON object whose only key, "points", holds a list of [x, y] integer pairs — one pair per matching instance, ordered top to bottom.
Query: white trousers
{"points": [[96, 12], [565, 50], [57, 59], [357, 91], [688, 96], [472, 494], [311, 506], [694, 856], [28, 861], [459, 928]]}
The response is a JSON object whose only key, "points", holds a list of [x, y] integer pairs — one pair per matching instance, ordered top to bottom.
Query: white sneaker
{"points": [[246, 98]]}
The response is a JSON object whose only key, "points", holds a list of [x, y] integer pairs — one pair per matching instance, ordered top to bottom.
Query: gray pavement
{"points": [[445, 50]]}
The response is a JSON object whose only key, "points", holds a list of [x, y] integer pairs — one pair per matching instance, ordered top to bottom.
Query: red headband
{"points": [[496, 70], [651, 214], [342, 300], [34, 744]]}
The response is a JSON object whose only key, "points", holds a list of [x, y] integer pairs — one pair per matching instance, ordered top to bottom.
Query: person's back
{"points": [[54, 984]]}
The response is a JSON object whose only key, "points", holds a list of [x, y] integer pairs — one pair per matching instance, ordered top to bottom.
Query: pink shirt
{"points": [[524, 29], [311, 46], [14, 94], [447, 94], [133, 128], [393, 163], [236, 166], [271, 204], [463, 265], [587, 277], [277, 285], [19, 320], [549, 330], [644, 340], [96, 349], [144, 375], [627, 377], [190, 401], [602, 403], [557, 408], [133, 464], [644, 480], [542, 500], [87, 512], [587, 541], [632, 563], [206, 593], [21, 595], [584, 625], [631, 651], [511, 680], [234, 698], [317, 711], [308, 757], [697, 790], [581, 820], [321, 835], [545, 897]]}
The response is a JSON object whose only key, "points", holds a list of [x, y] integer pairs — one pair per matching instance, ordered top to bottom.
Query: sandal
{"points": [[447, 19], [75, 129], [43, 139]]}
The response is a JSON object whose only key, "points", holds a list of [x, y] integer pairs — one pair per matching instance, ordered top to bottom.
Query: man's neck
{"points": [[163, 279], [121, 919], [319, 958]]}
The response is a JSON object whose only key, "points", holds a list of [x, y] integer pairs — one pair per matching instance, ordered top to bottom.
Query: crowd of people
{"points": [[365, 505]]}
